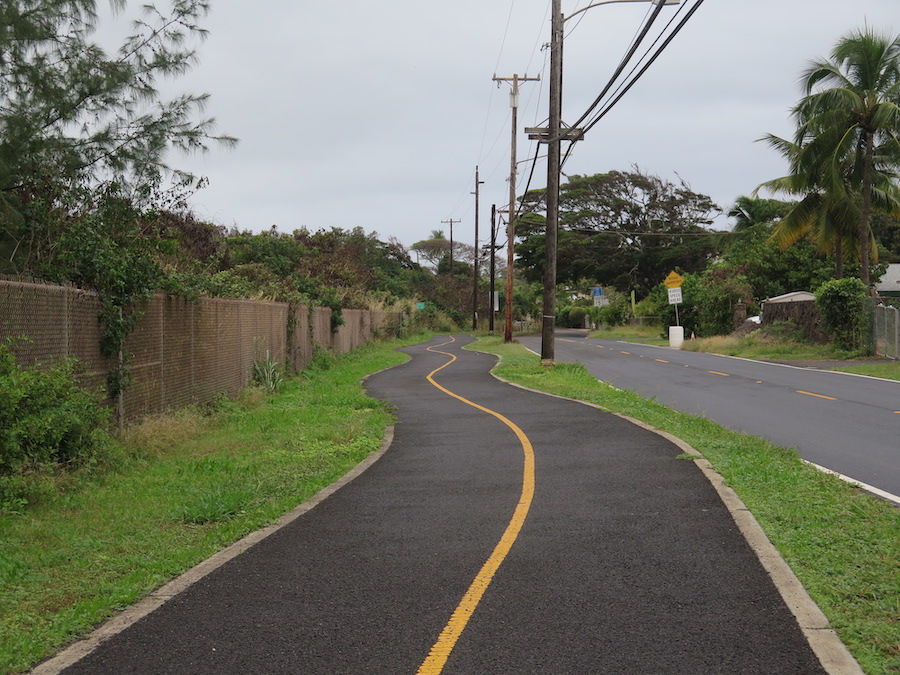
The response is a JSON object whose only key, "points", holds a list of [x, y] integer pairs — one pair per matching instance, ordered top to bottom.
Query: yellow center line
{"points": [[629, 353], [661, 360], [716, 372], [809, 393], [446, 641]]}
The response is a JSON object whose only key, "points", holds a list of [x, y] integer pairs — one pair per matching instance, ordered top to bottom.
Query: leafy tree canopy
{"points": [[67, 107], [74, 119], [624, 229]]}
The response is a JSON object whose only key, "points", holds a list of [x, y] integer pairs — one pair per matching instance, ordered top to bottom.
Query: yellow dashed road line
{"points": [[716, 372], [809, 393], [441, 650]]}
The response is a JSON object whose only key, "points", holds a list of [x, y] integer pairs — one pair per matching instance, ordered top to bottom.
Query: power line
{"points": [[624, 62], [649, 63], [626, 85]]}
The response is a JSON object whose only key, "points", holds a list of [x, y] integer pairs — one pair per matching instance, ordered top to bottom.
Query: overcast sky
{"points": [[375, 114]]}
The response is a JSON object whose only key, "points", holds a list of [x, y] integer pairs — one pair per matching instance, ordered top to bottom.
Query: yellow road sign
{"points": [[674, 280]]}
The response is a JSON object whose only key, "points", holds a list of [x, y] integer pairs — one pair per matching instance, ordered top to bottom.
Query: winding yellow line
{"points": [[441, 650]]}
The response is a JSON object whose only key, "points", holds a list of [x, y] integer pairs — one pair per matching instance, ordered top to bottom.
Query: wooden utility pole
{"points": [[451, 221], [511, 226], [493, 267], [475, 282], [548, 321]]}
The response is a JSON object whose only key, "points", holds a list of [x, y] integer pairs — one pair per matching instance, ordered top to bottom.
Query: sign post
{"points": [[673, 283]]}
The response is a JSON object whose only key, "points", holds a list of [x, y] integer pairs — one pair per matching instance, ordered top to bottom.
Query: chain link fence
{"points": [[887, 331], [182, 351]]}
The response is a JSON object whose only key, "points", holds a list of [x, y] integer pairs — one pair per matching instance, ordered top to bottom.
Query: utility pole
{"points": [[451, 221], [511, 226], [493, 267], [475, 282], [548, 321]]}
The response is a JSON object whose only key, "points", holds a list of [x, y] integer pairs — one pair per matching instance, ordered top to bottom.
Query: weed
{"points": [[268, 374], [217, 502]]}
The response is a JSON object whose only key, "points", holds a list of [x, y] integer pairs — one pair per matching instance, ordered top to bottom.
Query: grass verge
{"points": [[650, 335], [887, 371], [197, 484], [843, 544]]}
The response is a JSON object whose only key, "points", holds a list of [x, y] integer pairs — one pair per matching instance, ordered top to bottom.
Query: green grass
{"points": [[644, 334], [758, 345], [888, 371], [196, 484], [843, 544]]}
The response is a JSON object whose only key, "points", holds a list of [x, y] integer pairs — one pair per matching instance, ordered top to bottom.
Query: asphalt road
{"points": [[846, 423], [623, 559]]}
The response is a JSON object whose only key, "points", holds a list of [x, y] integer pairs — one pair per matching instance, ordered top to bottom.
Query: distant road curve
{"points": [[843, 423]]}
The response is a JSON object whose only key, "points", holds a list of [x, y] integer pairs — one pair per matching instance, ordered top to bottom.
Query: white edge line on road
{"points": [[764, 363], [865, 486], [895, 499], [155, 599]]}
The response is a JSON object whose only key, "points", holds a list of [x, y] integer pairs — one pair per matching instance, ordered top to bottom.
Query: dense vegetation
{"points": [[87, 198]]}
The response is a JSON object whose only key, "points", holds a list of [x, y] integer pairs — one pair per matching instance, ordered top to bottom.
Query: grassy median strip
{"points": [[198, 482], [843, 544]]}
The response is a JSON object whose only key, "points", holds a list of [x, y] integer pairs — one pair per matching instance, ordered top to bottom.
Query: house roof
{"points": [[891, 279], [795, 296]]}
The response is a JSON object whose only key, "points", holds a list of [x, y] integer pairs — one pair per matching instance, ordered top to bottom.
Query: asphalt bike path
{"points": [[503, 531]]}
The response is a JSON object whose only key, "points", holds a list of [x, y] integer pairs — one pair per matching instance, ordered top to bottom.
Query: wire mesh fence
{"points": [[887, 331], [182, 351]]}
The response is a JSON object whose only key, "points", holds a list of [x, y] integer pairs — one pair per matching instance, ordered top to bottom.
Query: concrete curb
{"points": [[157, 598], [823, 640]]}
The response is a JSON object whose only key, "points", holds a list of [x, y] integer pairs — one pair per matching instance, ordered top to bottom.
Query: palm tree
{"points": [[849, 126], [827, 217]]}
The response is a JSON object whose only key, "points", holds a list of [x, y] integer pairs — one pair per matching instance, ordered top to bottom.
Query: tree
{"points": [[74, 118], [849, 123], [750, 211], [828, 215], [624, 229], [432, 250], [436, 251], [770, 269]]}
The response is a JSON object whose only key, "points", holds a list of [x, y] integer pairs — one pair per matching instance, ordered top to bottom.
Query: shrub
{"points": [[844, 306], [616, 312], [576, 317], [46, 417]]}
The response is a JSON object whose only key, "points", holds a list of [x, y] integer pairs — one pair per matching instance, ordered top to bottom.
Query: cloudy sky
{"points": [[375, 114]]}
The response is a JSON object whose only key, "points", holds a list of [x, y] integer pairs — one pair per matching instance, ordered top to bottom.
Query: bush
{"points": [[709, 301], [844, 306], [616, 312], [576, 317], [46, 417]]}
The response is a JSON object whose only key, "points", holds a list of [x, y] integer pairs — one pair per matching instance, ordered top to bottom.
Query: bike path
{"points": [[626, 561]]}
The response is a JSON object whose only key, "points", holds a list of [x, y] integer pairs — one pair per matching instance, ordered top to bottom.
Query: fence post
{"points": [[896, 314]]}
